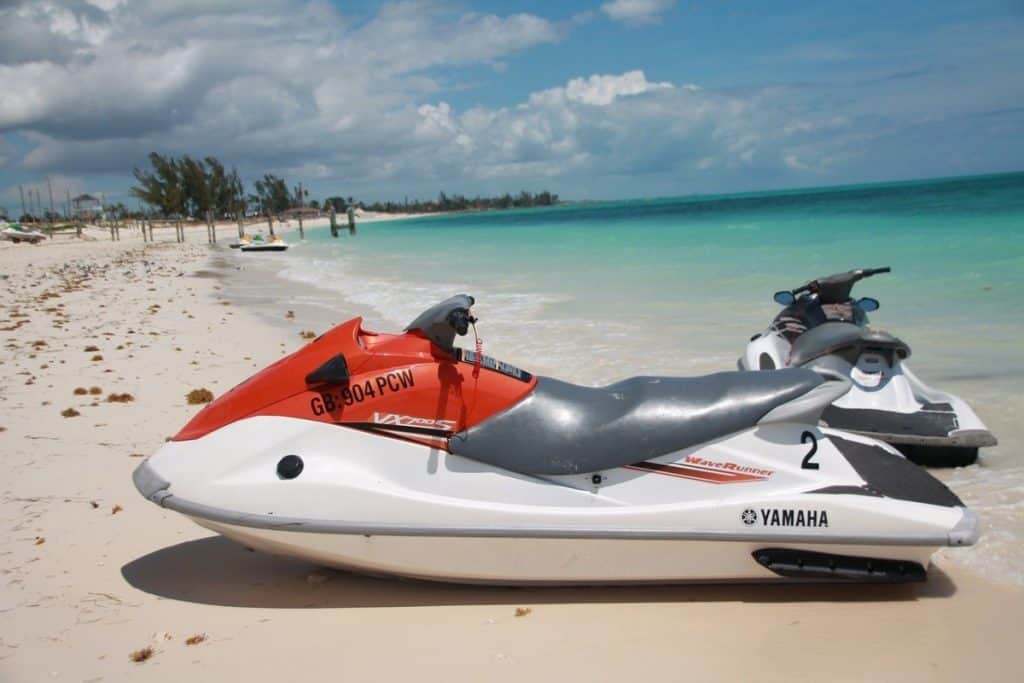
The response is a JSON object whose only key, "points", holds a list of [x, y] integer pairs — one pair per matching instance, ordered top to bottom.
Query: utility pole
{"points": [[301, 233]]}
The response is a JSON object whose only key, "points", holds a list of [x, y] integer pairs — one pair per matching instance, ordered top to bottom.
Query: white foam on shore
{"points": [[996, 493]]}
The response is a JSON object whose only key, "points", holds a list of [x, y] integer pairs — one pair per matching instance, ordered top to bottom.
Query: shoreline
{"points": [[104, 582]]}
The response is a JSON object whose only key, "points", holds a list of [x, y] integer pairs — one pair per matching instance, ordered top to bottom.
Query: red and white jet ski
{"points": [[403, 454]]}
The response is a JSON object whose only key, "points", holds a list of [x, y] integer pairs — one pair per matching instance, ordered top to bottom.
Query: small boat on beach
{"points": [[16, 233], [260, 243], [404, 454]]}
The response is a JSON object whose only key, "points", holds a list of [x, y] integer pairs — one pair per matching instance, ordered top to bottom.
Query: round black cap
{"points": [[289, 467]]}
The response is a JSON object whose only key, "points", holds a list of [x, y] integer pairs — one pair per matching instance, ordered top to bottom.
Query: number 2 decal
{"points": [[807, 464]]}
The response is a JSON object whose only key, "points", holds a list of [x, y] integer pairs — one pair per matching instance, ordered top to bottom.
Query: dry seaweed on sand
{"points": [[307, 334], [91, 348], [97, 357], [80, 391], [95, 391], [199, 396], [120, 398], [70, 412], [117, 508], [40, 540], [522, 611], [196, 639], [141, 655]]}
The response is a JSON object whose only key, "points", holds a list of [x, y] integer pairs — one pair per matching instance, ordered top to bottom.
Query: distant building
{"points": [[87, 206]]}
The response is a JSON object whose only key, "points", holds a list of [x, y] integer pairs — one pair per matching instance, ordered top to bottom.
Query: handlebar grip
{"points": [[875, 271], [460, 320]]}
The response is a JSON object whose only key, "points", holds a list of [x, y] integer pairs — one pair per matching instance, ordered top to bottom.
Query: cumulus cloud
{"points": [[637, 12], [190, 75], [603, 90], [615, 124]]}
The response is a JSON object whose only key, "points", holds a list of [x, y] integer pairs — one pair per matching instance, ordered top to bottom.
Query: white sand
{"points": [[99, 585]]}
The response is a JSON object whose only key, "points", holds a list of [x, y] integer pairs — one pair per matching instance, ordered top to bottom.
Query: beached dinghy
{"points": [[15, 232], [260, 243], [824, 328], [402, 454]]}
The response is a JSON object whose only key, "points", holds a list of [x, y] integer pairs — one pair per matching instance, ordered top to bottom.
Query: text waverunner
{"points": [[403, 454]]}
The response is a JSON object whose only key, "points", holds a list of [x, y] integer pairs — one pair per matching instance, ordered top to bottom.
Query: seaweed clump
{"points": [[199, 396]]}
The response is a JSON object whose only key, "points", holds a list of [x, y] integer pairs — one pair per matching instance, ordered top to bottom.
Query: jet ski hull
{"points": [[263, 247], [384, 505], [562, 561]]}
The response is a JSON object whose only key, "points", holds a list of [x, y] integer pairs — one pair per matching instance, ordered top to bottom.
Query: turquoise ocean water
{"points": [[594, 292]]}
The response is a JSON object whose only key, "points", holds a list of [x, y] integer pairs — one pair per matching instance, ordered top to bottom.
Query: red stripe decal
{"points": [[697, 473]]}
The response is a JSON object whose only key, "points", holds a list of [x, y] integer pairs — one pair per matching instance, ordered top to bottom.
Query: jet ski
{"points": [[15, 232], [241, 241], [260, 243], [824, 328], [403, 454]]}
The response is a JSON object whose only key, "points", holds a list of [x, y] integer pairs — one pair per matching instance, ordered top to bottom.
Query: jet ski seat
{"points": [[835, 337], [563, 428]]}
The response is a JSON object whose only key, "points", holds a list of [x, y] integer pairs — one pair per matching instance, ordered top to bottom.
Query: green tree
{"points": [[160, 188], [273, 194]]}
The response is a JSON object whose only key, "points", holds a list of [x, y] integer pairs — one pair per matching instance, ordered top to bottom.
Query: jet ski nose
{"points": [[150, 484], [966, 531]]}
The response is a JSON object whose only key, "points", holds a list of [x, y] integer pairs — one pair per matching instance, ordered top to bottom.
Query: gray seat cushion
{"points": [[832, 337], [563, 428]]}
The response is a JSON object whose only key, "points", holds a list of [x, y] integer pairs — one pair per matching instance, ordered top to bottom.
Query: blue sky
{"points": [[600, 99]]}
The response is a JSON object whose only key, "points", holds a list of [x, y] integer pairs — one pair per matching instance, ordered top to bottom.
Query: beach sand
{"points": [[93, 573]]}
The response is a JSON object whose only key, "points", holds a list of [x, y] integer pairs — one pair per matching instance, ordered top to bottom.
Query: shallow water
{"points": [[596, 292]]}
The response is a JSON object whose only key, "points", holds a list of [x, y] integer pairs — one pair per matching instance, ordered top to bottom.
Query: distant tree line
{"points": [[191, 187], [460, 202]]}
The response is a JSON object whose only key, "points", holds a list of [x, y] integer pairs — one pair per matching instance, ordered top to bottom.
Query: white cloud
{"points": [[637, 12], [153, 65], [602, 90], [622, 125]]}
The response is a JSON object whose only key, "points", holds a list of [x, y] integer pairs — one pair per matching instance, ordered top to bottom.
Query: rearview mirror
{"points": [[784, 297], [869, 304]]}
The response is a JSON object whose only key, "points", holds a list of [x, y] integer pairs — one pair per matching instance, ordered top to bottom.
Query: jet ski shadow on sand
{"points": [[822, 327], [402, 454], [217, 571]]}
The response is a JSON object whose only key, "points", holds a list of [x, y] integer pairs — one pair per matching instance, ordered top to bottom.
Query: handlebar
{"points": [[868, 272], [847, 278], [836, 288], [460, 319]]}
